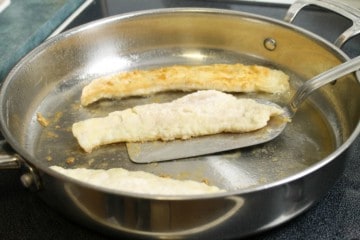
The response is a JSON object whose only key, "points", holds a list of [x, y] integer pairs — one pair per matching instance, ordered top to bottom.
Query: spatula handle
{"points": [[320, 80]]}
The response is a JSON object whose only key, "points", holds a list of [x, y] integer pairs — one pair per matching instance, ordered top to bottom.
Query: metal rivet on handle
{"points": [[270, 44], [27, 180]]}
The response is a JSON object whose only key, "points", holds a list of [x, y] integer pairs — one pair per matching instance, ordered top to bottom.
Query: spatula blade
{"points": [[157, 151]]}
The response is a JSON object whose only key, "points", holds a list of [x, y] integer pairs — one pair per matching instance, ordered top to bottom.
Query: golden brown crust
{"points": [[222, 77]]}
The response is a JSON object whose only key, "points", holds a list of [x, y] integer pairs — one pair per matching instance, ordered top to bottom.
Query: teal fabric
{"points": [[27, 23]]}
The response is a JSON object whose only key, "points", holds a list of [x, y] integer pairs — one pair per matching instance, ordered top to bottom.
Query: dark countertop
{"points": [[25, 24], [23, 215]]}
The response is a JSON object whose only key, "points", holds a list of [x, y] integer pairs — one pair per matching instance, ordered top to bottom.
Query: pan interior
{"points": [[306, 140]]}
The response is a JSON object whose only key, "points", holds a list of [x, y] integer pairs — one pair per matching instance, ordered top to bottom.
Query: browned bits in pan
{"points": [[42, 120], [52, 135], [70, 160], [163, 175], [206, 181]]}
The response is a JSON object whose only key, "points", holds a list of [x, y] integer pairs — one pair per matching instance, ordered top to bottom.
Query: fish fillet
{"points": [[222, 77], [196, 114], [137, 181]]}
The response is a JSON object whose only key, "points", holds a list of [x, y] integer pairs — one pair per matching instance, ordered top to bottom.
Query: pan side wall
{"points": [[220, 217]]}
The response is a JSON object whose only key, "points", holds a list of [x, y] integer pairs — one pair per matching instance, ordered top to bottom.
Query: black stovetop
{"points": [[23, 215]]}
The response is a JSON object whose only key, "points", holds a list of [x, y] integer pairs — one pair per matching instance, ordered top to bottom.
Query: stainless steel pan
{"points": [[266, 185]]}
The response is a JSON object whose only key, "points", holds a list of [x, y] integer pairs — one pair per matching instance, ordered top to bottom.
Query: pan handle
{"points": [[349, 9], [8, 159], [9, 162]]}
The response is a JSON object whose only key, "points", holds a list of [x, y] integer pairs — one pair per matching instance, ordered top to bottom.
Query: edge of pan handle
{"points": [[350, 10], [8, 159], [11, 160]]}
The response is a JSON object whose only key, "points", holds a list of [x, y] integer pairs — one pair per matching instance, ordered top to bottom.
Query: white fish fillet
{"points": [[222, 77], [200, 113], [137, 181]]}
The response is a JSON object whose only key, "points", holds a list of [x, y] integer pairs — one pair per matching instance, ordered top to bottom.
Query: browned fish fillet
{"points": [[222, 77], [196, 114]]}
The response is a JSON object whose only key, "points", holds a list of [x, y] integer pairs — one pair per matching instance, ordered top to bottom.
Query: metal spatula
{"points": [[156, 151]]}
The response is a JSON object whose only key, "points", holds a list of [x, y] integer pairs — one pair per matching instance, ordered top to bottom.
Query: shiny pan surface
{"points": [[266, 184]]}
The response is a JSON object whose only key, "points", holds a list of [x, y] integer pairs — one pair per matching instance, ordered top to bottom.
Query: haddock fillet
{"points": [[222, 77], [200, 113], [137, 181]]}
